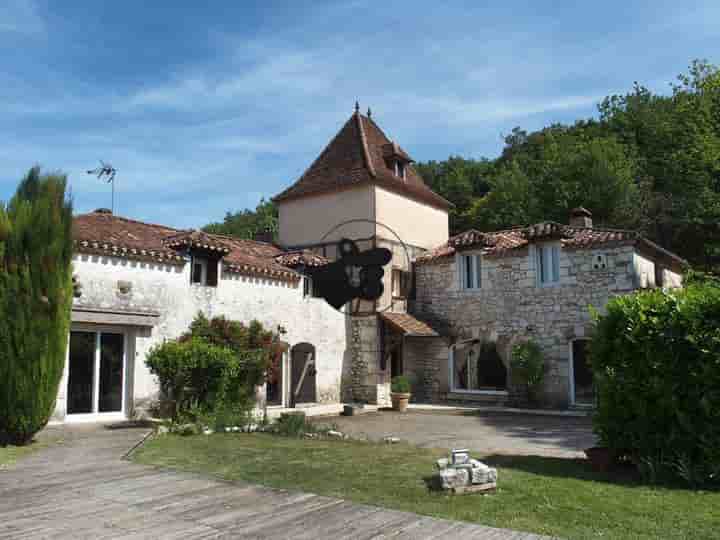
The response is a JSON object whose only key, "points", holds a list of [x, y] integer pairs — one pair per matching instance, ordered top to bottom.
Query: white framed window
{"points": [[400, 169], [547, 264], [199, 271], [470, 271], [96, 383]]}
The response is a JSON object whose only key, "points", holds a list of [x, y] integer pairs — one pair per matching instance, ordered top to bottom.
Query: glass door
{"points": [[82, 372], [96, 378]]}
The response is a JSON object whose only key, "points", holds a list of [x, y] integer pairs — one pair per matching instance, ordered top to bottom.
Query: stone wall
{"points": [[166, 289], [511, 307], [425, 360], [368, 383]]}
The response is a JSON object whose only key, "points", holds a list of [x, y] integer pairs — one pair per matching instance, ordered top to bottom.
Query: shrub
{"points": [[35, 300], [656, 363], [527, 368], [212, 370], [400, 385], [293, 424]]}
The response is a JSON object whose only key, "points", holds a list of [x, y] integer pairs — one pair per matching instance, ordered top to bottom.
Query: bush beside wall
{"points": [[656, 362]]}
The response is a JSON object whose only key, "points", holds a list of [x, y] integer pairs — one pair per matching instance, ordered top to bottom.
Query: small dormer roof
{"points": [[195, 239]]}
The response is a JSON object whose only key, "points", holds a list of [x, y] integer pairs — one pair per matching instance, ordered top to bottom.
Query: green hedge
{"points": [[656, 361]]}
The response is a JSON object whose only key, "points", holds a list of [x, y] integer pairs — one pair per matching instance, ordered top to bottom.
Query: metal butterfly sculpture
{"points": [[355, 274]]}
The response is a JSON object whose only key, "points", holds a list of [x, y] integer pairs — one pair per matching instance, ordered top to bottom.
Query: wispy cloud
{"points": [[236, 105]]}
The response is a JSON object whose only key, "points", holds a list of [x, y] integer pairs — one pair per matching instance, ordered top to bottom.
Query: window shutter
{"points": [[556, 263], [539, 264], [460, 271], [478, 272]]}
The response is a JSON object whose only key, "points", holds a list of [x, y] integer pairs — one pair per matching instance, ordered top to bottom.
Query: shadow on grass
{"points": [[623, 474]]}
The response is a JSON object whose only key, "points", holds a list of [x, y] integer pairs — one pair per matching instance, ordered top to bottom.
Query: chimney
{"points": [[580, 217], [265, 235]]}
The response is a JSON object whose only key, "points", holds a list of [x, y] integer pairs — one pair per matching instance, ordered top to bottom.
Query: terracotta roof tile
{"points": [[359, 154], [105, 234], [196, 239], [499, 243], [294, 259], [407, 324]]}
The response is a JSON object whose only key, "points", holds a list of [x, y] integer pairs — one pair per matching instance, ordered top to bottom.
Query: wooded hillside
{"points": [[649, 162]]}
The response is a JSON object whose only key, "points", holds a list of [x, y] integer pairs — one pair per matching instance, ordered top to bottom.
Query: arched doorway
{"points": [[476, 366], [303, 374], [582, 389]]}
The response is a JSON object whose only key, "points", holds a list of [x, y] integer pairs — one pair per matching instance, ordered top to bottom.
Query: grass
{"points": [[9, 455], [544, 495]]}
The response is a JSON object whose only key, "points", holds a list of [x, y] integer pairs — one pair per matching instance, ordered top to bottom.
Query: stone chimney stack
{"points": [[580, 217]]}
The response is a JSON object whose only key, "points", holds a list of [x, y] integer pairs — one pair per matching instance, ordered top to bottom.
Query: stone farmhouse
{"points": [[451, 309]]}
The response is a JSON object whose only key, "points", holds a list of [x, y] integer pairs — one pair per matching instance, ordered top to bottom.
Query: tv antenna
{"points": [[106, 172]]}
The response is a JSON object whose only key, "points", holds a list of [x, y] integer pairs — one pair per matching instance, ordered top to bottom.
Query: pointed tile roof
{"points": [[361, 153]]}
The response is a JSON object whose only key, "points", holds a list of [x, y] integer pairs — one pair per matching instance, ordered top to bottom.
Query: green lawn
{"points": [[10, 454], [544, 495]]}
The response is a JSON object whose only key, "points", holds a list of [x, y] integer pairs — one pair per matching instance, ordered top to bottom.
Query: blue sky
{"points": [[205, 107]]}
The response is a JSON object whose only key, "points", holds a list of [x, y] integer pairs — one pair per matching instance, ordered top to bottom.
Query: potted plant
{"points": [[528, 369], [400, 393]]}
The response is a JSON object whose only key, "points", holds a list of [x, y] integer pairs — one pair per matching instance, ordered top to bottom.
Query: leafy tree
{"points": [[650, 162], [247, 223], [35, 298]]}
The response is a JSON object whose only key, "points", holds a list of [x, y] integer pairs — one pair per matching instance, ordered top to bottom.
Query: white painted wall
{"points": [[307, 220], [415, 222], [167, 290]]}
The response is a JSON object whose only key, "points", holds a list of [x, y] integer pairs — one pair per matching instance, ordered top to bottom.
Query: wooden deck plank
{"points": [[83, 489]]}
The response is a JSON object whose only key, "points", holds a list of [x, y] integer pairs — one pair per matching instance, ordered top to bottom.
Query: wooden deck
{"points": [[83, 488]]}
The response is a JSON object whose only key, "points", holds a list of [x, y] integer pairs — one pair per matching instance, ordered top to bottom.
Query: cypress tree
{"points": [[36, 295]]}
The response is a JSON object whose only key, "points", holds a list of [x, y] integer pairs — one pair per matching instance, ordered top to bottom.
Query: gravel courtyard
{"points": [[484, 432]]}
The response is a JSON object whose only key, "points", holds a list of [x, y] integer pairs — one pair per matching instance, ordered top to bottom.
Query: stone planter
{"points": [[400, 401]]}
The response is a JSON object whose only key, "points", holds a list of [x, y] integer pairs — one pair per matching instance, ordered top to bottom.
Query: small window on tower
{"points": [[599, 261]]}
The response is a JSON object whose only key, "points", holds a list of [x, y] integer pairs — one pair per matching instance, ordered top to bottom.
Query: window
{"points": [[400, 169], [599, 261], [547, 264], [199, 271], [204, 271], [470, 272], [659, 275], [477, 367], [96, 373]]}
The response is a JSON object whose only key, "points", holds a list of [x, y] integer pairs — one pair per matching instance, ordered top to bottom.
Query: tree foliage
{"points": [[650, 162], [247, 223], [35, 301]]}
